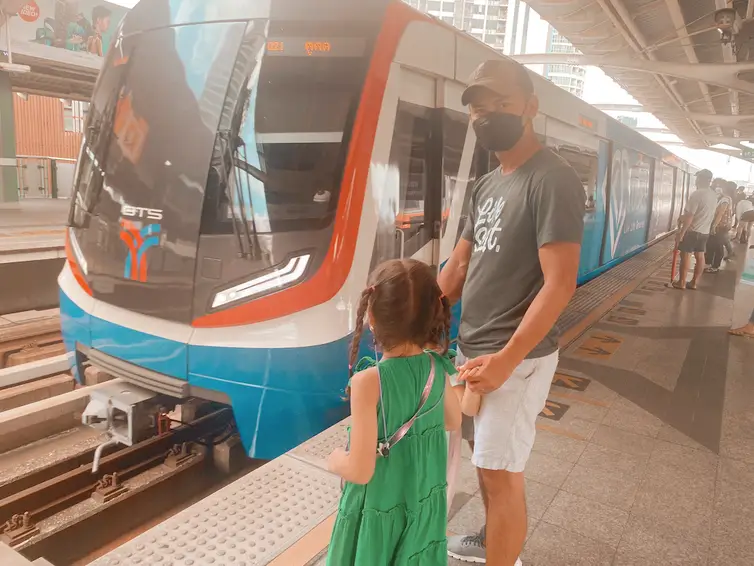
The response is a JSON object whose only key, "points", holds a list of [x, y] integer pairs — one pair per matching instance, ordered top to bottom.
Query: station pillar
{"points": [[8, 173]]}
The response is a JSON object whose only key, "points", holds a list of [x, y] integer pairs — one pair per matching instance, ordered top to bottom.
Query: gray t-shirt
{"points": [[702, 204], [510, 217]]}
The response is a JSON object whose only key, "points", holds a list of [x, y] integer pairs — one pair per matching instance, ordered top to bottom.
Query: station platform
{"points": [[33, 229], [644, 453]]}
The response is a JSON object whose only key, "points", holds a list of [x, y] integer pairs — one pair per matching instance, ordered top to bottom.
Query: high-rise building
{"points": [[484, 19], [513, 28], [567, 76]]}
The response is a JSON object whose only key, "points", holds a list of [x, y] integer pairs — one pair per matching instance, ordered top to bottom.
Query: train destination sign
{"points": [[316, 47]]}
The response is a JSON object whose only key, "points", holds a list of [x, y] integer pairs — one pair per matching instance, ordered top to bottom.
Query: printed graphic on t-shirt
{"points": [[487, 226]]}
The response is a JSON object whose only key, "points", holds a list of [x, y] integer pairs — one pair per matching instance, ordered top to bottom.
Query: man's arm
{"points": [[687, 218], [453, 275]]}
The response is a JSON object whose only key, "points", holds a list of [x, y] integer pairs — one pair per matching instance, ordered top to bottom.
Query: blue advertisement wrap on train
{"points": [[629, 203], [594, 218]]}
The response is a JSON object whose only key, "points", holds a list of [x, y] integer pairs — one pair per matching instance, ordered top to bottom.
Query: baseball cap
{"points": [[495, 75], [704, 173]]}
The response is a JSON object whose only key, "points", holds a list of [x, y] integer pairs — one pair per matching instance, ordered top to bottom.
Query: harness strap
{"points": [[383, 448]]}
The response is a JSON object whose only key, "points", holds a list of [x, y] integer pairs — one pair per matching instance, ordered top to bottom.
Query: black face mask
{"points": [[499, 131]]}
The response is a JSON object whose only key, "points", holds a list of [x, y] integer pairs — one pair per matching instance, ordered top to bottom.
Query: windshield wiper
{"points": [[97, 143], [248, 241]]}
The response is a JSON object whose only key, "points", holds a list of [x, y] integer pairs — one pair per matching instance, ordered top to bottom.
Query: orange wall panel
{"points": [[40, 130]]}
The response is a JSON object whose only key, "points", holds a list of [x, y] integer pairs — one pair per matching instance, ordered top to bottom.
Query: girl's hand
{"points": [[337, 460]]}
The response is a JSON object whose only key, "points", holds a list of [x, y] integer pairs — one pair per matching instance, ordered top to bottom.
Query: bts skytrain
{"points": [[247, 162]]}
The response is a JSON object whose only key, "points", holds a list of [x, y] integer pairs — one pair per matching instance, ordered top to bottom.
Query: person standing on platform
{"points": [[730, 194], [720, 230], [742, 231], [691, 238], [515, 269], [746, 331], [393, 509]]}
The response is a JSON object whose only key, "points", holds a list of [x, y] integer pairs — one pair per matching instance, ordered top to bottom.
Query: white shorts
{"points": [[504, 429]]}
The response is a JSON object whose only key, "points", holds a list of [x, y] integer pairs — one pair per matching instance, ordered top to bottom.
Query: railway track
{"points": [[30, 341], [65, 513]]}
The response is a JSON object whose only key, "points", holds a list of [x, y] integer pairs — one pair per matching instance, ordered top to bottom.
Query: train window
{"points": [[455, 128], [291, 144], [585, 164], [401, 230]]}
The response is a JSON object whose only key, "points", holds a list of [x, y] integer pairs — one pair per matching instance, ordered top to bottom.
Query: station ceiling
{"points": [[671, 31]]}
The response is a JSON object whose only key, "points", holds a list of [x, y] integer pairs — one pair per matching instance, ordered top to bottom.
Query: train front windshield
{"points": [[221, 148], [290, 150]]}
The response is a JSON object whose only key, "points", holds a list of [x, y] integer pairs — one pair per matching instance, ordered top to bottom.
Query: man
{"points": [[693, 234], [515, 268]]}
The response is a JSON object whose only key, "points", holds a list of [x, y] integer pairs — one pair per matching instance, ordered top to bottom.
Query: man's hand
{"points": [[486, 374]]}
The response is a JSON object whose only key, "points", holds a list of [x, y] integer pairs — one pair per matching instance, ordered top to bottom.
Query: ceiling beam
{"points": [[679, 24], [639, 44], [729, 57], [722, 74], [621, 107]]}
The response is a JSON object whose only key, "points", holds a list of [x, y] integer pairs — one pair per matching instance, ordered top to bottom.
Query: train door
{"points": [[409, 200]]}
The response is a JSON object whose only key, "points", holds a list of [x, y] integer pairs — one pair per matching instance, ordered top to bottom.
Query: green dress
{"points": [[400, 517]]}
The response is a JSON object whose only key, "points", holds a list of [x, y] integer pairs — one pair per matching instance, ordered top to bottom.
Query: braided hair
{"points": [[405, 306]]}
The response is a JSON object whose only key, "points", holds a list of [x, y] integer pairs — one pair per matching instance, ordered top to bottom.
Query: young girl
{"points": [[393, 507]]}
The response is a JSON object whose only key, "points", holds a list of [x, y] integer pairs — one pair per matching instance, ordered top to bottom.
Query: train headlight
{"points": [[277, 279]]}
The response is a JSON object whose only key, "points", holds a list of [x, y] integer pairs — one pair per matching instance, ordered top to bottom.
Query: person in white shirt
{"points": [[744, 228]]}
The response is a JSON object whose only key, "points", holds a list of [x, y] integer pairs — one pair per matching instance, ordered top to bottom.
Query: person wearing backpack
{"points": [[720, 230], [393, 509]]}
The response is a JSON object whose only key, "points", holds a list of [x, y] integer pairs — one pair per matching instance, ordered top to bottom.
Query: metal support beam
{"points": [[679, 23], [636, 40], [728, 57], [724, 75], [620, 107], [724, 120], [647, 130]]}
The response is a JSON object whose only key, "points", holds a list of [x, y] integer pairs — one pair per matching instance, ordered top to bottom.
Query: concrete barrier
{"points": [[30, 285], [25, 373], [38, 390]]}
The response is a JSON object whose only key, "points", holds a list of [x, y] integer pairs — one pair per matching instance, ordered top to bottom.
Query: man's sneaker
{"points": [[470, 548]]}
